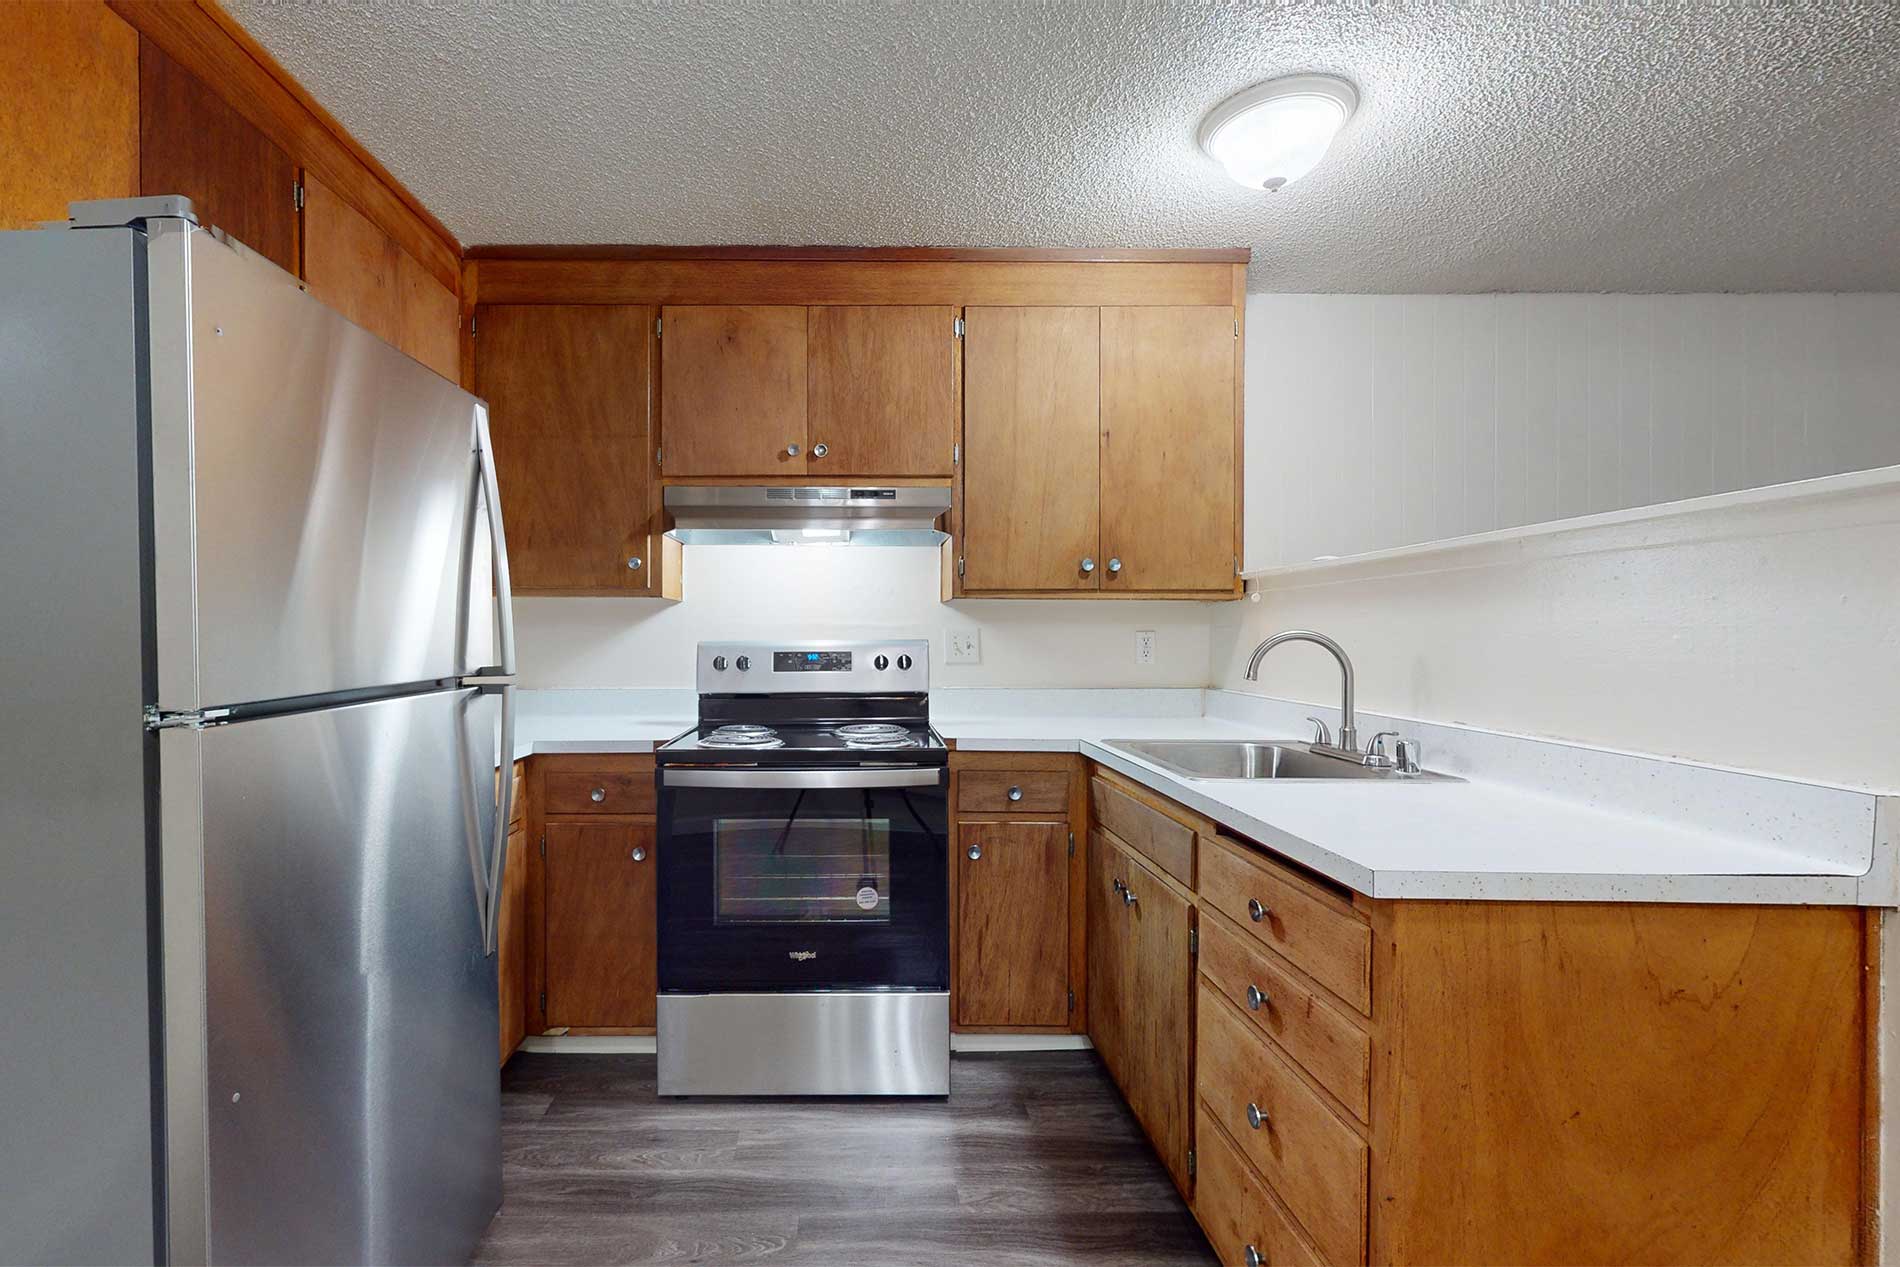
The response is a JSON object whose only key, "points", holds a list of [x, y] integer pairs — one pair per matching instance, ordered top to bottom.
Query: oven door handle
{"points": [[915, 776]]}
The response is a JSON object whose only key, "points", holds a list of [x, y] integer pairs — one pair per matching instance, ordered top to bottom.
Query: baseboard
{"points": [[643, 1044]]}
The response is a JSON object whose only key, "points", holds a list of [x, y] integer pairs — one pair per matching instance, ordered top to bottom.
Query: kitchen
{"points": [[1275, 652]]}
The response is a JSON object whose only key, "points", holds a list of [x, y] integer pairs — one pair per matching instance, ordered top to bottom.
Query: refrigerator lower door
{"points": [[346, 1049]]}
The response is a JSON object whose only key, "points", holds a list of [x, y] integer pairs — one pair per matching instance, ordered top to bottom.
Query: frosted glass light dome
{"points": [[1271, 134]]}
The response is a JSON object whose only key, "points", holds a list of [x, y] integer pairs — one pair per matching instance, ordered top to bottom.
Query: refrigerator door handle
{"points": [[504, 588], [496, 678], [504, 809]]}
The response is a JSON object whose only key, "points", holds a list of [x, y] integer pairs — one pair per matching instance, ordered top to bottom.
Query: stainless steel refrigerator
{"points": [[256, 661]]}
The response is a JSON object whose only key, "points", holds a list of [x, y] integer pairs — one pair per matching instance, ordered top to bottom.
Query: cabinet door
{"points": [[70, 127], [192, 143], [361, 272], [568, 390], [733, 390], [883, 391], [1031, 448], [1169, 460], [1013, 924], [511, 942], [1107, 953], [602, 956], [1158, 984]]}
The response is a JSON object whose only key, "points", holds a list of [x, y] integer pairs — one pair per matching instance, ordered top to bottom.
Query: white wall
{"points": [[1383, 420], [852, 592]]}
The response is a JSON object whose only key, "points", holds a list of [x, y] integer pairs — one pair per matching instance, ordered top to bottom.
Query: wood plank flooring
{"points": [[1033, 1159]]}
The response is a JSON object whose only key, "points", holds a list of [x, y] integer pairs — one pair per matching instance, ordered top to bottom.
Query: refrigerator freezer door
{"points": [[315, 492], [351, 1109]]}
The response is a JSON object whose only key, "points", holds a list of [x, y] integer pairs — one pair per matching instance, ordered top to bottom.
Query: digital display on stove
{"points": [[811, 662]]}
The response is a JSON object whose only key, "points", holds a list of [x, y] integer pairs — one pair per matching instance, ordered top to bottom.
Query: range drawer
{"points": [[599, 792], [1013, 792], [1165, 841], [1284, 911], [1324, 1040], [1312, 1160], [1235, 1209]]}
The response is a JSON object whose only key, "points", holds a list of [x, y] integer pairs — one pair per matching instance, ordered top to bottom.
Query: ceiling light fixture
{"points": [[1271, 134]]}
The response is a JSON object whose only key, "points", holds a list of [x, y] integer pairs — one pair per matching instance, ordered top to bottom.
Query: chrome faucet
{"points": [[1348, 733]]}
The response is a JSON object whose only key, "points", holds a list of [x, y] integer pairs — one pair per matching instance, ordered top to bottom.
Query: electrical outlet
{"points": [[963, 646], [1144, 646]]}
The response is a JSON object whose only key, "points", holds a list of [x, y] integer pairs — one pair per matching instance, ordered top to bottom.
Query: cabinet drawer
{"points": [[1013, 791], [599, 792], [1164, 841], [1331, 945], [1319, 1036], [1311, 1159], [1234, 1208]]}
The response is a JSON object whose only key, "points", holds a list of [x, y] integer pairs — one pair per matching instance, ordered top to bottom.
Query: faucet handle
{"points": [[1321, 736], [1375, 749], [1407, 750]]}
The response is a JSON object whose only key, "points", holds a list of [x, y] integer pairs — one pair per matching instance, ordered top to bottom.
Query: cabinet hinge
{"points": [[296, 195], [474, 320], [658, 322], [1236, 327], [957, 328], [956, 454], [659, 457], [959, 565], [1236, 565], [544, 844], [1194, 941], [1072, 1000], [544, 1003], [1190, 1156]]}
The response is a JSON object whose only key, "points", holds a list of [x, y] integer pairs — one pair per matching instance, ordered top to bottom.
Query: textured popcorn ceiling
{"points": [[1673, 145]]}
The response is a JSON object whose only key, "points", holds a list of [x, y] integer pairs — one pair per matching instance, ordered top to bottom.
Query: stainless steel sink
{"points": [[1223, 759]]}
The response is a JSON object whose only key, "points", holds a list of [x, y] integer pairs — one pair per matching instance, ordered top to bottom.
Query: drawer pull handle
{"points": [[1015, 793], [598, 795], [975, 852], [639, 854], [1255, 911], [1257, 998], [1255, 1118], [1254, 1259]]}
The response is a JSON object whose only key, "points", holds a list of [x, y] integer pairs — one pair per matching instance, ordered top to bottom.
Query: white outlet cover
{"points": [[963, 646], [1144, 646]]}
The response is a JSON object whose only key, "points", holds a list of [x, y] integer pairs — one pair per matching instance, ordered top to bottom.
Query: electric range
{"points": [[804, 926]]}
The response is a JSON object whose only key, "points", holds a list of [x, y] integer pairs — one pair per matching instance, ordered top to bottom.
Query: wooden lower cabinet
{"points": [[601, 922], [1013, 924], [511, 945], [1242, 1218]]}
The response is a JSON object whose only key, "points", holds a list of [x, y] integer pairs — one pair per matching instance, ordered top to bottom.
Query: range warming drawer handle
{"points": [[924, 776]]}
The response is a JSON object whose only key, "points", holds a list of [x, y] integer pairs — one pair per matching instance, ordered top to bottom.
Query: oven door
{"points": [[780, 879]]}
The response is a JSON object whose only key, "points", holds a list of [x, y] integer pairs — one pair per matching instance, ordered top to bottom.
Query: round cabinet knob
{"points": [[791, 450], [819, 450], [633, 564], [1088, 565], [1114, 565], [904, 662], [744, 663], [881, 663], [719, 664], [1015, 793], [598, 795], [975, 852], [639, 854], [1119, 886], [1128, 896], [1255, 911], [1257, 998], [1255, 1118], [1254, 1259]]}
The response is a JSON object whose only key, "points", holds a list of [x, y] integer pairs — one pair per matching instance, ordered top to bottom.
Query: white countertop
{"points": [[1605, 827]]}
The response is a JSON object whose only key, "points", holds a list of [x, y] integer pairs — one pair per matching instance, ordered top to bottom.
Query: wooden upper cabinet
{"points": [[70, 127], [192, 143], [359, 270], [733, 390], [569, 391], [883, 391], [1032, 447], [1170, 449], [1013, 924]]}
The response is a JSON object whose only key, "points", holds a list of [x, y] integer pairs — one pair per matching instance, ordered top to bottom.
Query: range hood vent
{"points": [[859, 515]]}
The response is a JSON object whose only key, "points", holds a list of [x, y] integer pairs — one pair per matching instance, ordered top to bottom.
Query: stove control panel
{"points": [[829, 668]]}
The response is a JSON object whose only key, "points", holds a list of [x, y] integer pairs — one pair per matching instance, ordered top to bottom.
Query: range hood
{"points": [[858, 515]]}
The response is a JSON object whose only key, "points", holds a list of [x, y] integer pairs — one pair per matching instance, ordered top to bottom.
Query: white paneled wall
{"points": [[1385, 420]]}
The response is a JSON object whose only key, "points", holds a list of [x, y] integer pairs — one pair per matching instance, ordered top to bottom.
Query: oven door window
{"points": [[802, 870]]}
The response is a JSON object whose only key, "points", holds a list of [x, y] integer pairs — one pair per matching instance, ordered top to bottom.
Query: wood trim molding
{"points": [[211, 44], [1014, 254]]}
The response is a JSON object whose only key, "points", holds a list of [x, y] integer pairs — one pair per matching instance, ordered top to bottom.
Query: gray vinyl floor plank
{"points": [[1033, 1159]]}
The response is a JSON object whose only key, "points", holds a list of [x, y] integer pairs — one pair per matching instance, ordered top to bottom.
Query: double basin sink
{"points": [[1248, 759]]}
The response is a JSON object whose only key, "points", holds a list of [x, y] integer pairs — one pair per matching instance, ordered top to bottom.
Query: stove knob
{"points": [[745, 662], [903, 662], [882, 663], [719, 664]]}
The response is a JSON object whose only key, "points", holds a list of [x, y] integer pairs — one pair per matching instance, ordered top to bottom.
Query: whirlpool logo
{"points": [[801, 956]]}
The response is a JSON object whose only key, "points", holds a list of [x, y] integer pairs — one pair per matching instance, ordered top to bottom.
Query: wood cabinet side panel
{"points": [[69, 129]]}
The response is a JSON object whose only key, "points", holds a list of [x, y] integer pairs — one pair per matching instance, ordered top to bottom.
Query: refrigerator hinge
{"points": [[296, 195], [957, 328], [156, 719], [1072, 844], [1072, 1000]]}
